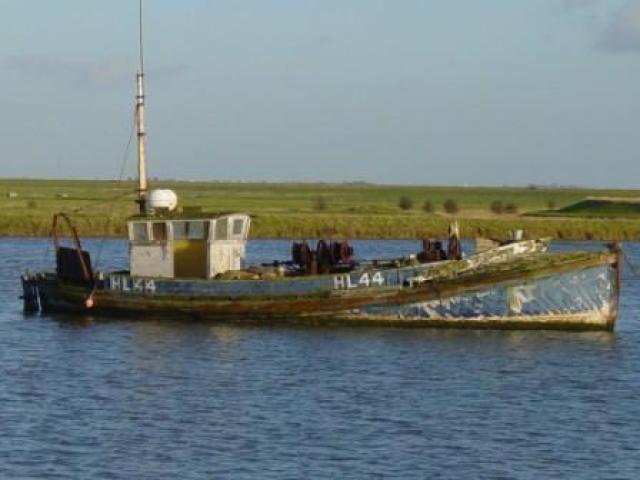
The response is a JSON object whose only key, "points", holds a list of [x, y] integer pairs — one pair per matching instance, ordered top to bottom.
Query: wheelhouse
{"points": [[187, 247]]}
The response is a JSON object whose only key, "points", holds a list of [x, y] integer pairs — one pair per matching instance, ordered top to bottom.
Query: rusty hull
{"points": [[343, 306]]}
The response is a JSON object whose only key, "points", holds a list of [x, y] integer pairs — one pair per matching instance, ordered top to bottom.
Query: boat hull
{"points": [[578, 292]]}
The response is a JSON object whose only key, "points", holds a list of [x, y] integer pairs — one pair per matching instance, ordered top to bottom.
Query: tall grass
{"points": [[291, 210], [335, 226], [383, 226]]}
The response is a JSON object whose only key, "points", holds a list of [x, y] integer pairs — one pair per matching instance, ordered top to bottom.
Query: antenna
{"points": [[141, 40], [142, 152]]}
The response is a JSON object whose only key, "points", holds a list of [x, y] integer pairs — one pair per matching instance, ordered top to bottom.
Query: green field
{"points": [[596, 208], [292, 210]]}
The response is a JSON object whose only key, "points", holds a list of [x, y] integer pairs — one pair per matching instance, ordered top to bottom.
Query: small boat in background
{"points": [[191, 264]]}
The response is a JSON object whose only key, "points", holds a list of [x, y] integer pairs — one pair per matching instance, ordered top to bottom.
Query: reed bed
{"points": [[100, 208]]}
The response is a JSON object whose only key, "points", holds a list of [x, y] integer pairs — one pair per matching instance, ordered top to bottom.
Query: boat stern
{"points": [[30, 293]]}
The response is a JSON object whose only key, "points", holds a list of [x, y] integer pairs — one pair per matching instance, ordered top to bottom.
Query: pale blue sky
{"points": [[475, 92]]}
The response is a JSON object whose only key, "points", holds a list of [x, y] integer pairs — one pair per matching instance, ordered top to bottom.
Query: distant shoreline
{"points": [[294, 210], [373, 228]]}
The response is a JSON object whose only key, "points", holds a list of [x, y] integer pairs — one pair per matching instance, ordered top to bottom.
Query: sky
{"points": [[436, 92]]}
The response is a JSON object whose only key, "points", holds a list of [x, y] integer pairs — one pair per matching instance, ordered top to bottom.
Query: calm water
{"points": [[105, 398]]}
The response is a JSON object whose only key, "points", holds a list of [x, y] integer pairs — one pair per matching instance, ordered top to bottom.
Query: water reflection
{"points": [[69, 320]]}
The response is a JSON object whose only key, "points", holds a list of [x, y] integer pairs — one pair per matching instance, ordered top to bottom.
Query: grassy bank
{"points": [[596, 208], [319, 210]]}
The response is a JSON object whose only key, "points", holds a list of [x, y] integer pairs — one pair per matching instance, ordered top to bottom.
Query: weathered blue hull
{"points": [[571, 291]]}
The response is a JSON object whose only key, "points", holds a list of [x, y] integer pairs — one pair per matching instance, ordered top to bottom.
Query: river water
{"points": [[161, 398]]}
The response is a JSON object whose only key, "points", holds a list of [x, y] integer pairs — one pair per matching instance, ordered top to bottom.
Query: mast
{"points": [[142, 151]]}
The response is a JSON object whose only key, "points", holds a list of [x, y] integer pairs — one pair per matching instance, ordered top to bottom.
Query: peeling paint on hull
{"points": [[569, 292]]}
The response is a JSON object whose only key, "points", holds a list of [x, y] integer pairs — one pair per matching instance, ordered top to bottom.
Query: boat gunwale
{"points": [[384, 295]]}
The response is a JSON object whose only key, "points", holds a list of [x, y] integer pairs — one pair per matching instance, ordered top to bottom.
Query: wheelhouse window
{"points": [[222, 227], [238, 227], [180, 230], [194, 230], [198, 230], [159, 231], [140, 232]]}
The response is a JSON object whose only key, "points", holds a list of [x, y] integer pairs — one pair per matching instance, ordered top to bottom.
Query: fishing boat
{"points": [[190, 264]]}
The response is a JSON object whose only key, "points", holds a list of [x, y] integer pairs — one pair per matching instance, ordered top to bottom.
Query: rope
{"points": [[125, 156], [123, 164], [113, 198], [102, 201], [89, 300]]}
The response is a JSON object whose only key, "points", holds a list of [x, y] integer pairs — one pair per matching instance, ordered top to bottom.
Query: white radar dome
{"points": [[165, 199]]}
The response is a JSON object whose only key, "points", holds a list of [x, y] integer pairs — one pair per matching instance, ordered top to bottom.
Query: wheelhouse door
{"points": [[190, 248]]}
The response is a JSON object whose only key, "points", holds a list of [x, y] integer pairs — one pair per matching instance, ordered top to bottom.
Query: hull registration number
{"points": [[360, 280], [127, 284]]}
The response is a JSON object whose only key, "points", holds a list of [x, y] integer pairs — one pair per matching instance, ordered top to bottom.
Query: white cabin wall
{"points": [[225, 255], [152, 260]]}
